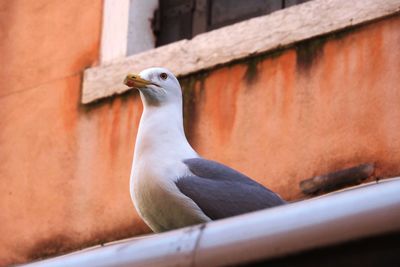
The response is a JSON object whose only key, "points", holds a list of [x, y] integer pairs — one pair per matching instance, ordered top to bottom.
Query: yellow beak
{"points": [[133, 80]]}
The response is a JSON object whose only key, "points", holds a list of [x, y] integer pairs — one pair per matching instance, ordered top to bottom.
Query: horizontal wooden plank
{"points": [[251, 37], [336, 180]]}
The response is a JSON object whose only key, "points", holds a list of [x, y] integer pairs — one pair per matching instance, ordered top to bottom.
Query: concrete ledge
{"points": [[251, 37]]}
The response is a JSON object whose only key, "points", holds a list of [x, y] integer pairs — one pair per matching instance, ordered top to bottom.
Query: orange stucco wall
{"points": [[320, 106], [280, 118], [63, 168]]}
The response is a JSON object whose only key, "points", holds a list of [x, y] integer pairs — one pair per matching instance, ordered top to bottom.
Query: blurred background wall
{"points": [[318, 106], [64, 167]]}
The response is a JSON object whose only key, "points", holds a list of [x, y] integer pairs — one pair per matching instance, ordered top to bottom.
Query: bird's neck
{"points": [[161, 134]]}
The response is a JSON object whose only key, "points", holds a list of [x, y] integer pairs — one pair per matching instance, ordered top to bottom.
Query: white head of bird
{"points": [[157, 86]]}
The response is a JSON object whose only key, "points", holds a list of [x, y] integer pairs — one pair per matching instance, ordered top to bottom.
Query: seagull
{"points": [[171, 186]]}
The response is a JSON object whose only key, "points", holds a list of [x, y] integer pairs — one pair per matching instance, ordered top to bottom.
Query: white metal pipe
{"points": [[335, 218]]}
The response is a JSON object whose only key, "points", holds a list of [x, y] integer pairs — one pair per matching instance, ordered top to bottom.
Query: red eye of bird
{"points": [[163, 76]]}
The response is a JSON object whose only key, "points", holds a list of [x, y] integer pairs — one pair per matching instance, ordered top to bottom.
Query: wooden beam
{"points": [[337, 180]]}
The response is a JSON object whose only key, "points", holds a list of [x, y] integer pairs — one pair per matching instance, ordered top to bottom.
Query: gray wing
{"points": [[222, 192]]}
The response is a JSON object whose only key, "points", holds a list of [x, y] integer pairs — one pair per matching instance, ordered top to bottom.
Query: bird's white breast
{"points": [[160, 150]]}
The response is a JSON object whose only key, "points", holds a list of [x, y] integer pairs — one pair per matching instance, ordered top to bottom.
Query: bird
{"points": [[171, 185]]}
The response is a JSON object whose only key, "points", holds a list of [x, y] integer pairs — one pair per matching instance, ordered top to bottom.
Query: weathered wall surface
{"points": [[323, 105], [280, 118], [64, 168]]}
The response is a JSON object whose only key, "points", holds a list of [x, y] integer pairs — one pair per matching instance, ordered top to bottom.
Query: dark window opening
{"points": [[183, 19]]}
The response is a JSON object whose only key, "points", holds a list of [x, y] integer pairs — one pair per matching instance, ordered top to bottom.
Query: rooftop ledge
{"points": [[240, 40], [353, 214]]}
